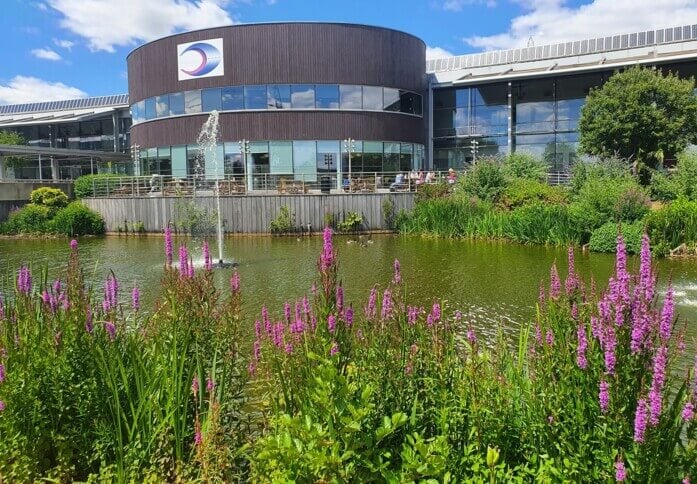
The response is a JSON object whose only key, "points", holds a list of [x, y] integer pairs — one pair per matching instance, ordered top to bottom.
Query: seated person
{"points": [[452, 176], [430, 177], [420, 178], [398, 182], [346, 184]]}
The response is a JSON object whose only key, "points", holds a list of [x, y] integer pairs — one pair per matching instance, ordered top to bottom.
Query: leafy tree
{"points": [[641, 116], [12, 138], [524, 165]]}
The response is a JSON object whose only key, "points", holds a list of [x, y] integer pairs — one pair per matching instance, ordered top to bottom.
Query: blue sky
{"points": [[60, 49]]}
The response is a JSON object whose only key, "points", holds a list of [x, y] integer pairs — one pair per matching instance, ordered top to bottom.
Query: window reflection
{"points": [[278, 96], [302, 96], [327, 96], [255, 97], [351, 97], [233, 98], [372, 98], [391, 99], [211, 100], [192, 102], [176, 104], [162, 106]]}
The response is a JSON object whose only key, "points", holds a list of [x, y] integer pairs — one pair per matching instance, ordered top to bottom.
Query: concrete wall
{"points": [[251, 214]]}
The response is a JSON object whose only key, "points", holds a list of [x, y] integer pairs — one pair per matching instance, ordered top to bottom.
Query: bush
{"points": [[524, 165], [611, 169], [686, 174], [485, 181], [84, 186], [664, 188], [430, 191], [523, 191], [53, 198], [603, 200], [30, 219], [77, 219], [284, 221], [351, 223], [540, 223], [672, 225], [604, 238]]}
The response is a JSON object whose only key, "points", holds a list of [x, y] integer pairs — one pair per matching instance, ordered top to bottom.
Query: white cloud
{"points": [[457, 5], [42, 7], [552, 21], [107, 24], [64, 44], [437, 53], [46, 54], [25, 89]]}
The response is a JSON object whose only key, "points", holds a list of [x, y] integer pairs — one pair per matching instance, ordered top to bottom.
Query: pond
{"points": [[493, 284]]}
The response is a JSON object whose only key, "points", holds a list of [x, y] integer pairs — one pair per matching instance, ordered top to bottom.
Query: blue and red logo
{"points": [[200, 59]]}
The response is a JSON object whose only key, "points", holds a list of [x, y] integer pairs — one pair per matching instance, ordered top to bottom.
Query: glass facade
{"points": [[279, 96], [304, 160]]}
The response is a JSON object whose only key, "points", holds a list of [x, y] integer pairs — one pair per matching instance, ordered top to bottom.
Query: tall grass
{"points": [[535, 223]]}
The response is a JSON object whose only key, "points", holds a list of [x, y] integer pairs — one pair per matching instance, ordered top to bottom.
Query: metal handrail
{"points": [[277, 184]]}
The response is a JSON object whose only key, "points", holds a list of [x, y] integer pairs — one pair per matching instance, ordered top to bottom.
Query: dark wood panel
{"points": [[286, 53], [289, 125]]}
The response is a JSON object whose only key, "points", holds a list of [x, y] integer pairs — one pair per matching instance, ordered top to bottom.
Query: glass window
{"points": [[489, 95], [278, 96], [302, 96], [327, 96], [255, 97], [351, 97], [233, 98], [372, 98], [451, 98], [391, 99], [211, 100], [192, 101], [410, 102], [176, 104], [534, 105], [162, 106], [150, 108], [135, 116], [490, 120], [444, 122], [406, 152], [328, 155], [164, 156], [372, 156], [281, 157], [233, 159], [259, 160], [304, 160], [391, 160], [179, 161], [193, 161]]}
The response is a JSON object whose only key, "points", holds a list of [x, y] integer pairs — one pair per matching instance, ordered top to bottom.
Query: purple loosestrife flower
{"points": [[73, 245], [169, 248], [207, 256], [327, 256], [621, 259], [183, 262], [645, 265], [190, 272], [397, 273], [24, 280], [235, 283], [555, 283], [571, 283], [57, 286], [45, 297], [135, 298], [541, 298], [339, 299], [306, 306], [2, 309], [370, 310], [386, 311], [574, 311], [286, 312], [436, 312], [412, 314], [348, 315], [265, 319], [429, 320], [331, 323], [666, 324], [110, 329], [257, 329], [538, 335], [471, 336], [549, 337], [609, 346], [289, 349], [334, 349], [581, 359], [2, 373], [659, 377], [210, 384], [194, 385], [604, 396], [2, 406], [655, 406], [688, 412], [640, 420], [198, 438], [620, 471], [686, 480]]}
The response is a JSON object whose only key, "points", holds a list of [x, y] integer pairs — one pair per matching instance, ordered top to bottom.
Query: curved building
{"points": [[295, 91]]}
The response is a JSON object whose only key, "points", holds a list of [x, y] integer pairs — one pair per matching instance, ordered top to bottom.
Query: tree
{"points": [[640, 116], [10, 138]]}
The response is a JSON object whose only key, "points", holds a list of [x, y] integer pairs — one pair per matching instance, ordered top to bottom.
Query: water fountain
{"points": [[208, 150]]}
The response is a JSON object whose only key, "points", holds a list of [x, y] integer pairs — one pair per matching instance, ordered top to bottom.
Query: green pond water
{"points": [[493, 284]]}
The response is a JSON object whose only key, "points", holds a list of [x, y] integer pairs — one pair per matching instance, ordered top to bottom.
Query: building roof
{"points": [[596, 53], [61, 111]]}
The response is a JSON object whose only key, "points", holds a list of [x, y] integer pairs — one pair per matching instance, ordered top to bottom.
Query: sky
{"points": [[66, 49]]}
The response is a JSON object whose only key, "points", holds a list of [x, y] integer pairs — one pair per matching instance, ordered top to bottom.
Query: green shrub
{"points": [[524, 165], [581, 173], [686, 174], [485, 181], [85, 185], [664, 188], [429, 191], [523, 191], [53, 198], [608, 199], [30, 219], [78, 219], [284, 221], [352, 222], [540, 223], [672, 225], [604, 238]]}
